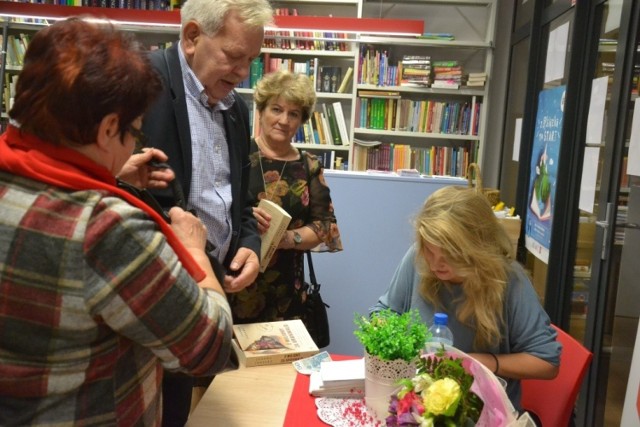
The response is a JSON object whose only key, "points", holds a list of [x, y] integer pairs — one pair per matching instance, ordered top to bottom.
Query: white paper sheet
{"points": [[613, 15], [556, 53], [596, 110], [517, 136], [633, 164], [589, 175]]}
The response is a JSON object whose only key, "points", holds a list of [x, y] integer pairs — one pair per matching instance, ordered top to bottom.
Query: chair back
{"points": [[553, 400]]}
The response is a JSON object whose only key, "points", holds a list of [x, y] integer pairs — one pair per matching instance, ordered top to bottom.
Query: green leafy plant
{"points": [[390, 336]]}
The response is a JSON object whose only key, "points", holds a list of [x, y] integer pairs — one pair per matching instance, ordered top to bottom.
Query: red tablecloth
{"points": [[302, 407]]}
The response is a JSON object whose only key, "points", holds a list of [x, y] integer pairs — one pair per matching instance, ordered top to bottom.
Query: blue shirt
{"points": [[210, 193]]}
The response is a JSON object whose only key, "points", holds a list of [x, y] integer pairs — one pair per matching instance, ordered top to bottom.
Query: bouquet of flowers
{"points": [[439, 395]]}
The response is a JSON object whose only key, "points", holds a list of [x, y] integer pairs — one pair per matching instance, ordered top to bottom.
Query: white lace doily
{"points": [[345, 413]]}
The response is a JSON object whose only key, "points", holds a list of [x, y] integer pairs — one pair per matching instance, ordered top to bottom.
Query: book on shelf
{"points": [[437, 36], [256, 70], [479, 76], [329, 78], [336, 78], [345, 80], [471, 83], [445, 84], [378, 94], [342, 124], [318, 128], [334, 133], [409, 172], [280, 220], [272, 343], [343, 378]]}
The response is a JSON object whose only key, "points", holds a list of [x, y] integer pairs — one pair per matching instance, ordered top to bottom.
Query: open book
{"points": [[279, 222]]}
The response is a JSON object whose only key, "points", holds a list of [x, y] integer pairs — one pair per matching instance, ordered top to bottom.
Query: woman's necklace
{"points": [[275, 188]]}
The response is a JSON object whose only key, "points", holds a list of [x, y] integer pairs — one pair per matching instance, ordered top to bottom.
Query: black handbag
{"points": [[315, 310]]}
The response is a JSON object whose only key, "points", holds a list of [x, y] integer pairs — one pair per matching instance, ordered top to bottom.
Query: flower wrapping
{"points": [[440, 395]]}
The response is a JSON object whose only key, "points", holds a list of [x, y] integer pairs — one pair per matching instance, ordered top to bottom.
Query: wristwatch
{"points": [[297, 238]]}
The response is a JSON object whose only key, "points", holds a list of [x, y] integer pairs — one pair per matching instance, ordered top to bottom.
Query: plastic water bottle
{"points": [[440, 332]]}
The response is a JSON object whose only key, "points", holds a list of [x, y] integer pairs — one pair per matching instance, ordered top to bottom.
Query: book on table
{"points": [[280, 220], [272, 343]]}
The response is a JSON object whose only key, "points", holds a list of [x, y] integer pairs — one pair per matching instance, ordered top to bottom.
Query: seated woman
{"points": [[460, 265], [99, 292]]}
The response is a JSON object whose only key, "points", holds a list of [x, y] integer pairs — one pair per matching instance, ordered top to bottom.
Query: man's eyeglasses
{"points": [[141, 139]]}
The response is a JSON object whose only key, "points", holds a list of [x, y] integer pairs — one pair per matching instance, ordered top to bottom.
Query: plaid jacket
{"points": [[93, 304]]}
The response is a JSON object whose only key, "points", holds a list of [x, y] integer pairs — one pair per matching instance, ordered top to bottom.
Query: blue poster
{"points": [[544, 171]]}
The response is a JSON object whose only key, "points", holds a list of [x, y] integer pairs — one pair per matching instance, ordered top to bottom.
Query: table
{"points": [[256, 396], [265, 396]]}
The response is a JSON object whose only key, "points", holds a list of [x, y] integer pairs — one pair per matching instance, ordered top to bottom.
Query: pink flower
{"points": [[410, 401]]}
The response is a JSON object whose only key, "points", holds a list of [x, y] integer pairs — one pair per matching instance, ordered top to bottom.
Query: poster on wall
{"points": [[544, 171]]}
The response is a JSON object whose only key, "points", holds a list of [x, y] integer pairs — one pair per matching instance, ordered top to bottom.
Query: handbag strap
{"points": [[312, 274]]}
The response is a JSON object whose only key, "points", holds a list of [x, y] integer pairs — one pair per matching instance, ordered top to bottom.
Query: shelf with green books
{"points": [[446, 69], [441, 131]]}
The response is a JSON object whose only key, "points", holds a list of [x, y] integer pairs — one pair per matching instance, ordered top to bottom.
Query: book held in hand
{"points": [[279, 222], [272, 343]]}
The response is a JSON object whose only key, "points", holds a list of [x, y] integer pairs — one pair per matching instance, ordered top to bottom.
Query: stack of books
{"points": [[415, 71], [446, 75], [476, 79], [344, 379]]}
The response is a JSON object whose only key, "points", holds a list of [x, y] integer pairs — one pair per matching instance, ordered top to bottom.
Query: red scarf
{"points": [[26, 155]]}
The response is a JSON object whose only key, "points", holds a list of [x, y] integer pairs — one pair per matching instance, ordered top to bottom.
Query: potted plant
{"points": [[392, 343]]}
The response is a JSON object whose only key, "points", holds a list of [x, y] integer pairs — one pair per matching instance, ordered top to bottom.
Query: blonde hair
{"points": [[210, 14], [294, 88], [462, 224]]}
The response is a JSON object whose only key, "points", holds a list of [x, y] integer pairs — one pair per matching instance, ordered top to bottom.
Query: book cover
{"points": [[345, 80], [333, 124], [342, 124], [279, 222], [271, 343]]}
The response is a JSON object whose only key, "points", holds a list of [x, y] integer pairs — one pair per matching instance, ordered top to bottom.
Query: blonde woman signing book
{"points": [[294, 180]]}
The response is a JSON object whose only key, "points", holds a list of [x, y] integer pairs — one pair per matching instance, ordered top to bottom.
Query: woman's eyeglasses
{"points": [[141, 139]]}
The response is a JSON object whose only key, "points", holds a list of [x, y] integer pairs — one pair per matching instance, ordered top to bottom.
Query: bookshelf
{"points": [[154, 28], [305, 35], [438, 131]]}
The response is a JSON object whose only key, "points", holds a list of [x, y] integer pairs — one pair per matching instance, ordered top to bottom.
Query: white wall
{"points": [[374, 215]]}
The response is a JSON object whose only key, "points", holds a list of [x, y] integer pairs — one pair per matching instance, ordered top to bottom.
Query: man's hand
{"points": [[139, 173], [247, 266]]}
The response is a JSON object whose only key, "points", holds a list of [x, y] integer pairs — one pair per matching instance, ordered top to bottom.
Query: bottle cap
{"points": [[440, 319]]}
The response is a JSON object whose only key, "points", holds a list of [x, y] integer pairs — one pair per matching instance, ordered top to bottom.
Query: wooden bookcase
{"points": [[368, 25]]}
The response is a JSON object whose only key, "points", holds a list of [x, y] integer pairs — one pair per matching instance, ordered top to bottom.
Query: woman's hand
{"points": [[139, 173], [263, 218], [189, 229], [193, 235]]}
